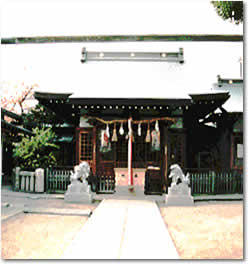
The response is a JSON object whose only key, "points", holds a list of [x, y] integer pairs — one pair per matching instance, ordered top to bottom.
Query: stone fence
{"points": [[29, 181]]}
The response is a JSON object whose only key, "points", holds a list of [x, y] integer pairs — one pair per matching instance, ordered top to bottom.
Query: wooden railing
{"points": [[58, 179], [105, 179], [202, 181], [211, 182], [105, 184]]}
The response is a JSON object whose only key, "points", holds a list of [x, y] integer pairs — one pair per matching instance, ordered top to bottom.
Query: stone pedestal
{"points": [[122, 187], [124, 190], [78, 192], [179, 195]]}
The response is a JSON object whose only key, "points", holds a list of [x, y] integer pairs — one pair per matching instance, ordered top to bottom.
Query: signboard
{"points": [[178, 124], [238, 126], [240, 151]]}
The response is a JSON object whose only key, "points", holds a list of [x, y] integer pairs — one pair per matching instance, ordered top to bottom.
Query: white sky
{"points": [[32, 18], [57, 67]]}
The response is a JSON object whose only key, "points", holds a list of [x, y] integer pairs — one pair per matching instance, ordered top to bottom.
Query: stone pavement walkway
{"points": [[123, 229]]}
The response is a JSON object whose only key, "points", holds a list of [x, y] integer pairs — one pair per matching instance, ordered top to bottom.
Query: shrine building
{"points": [[137, 106]]}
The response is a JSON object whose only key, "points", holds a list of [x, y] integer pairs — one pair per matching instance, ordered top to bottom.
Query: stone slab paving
{"points": [[7, 193], [139, 196], [220, 197], [58, 211], [123, 229], [146, 235]]}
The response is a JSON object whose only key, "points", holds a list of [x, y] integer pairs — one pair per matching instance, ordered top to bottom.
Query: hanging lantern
{"points": [[157, 126], [139, 129], [107, 131], [121, 131], [148, 136], [114, 137]]}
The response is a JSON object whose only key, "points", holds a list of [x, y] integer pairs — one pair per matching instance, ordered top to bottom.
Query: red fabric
{"points": [[105, 137], [131, 180]]}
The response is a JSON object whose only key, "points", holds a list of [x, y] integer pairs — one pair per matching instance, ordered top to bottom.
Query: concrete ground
{"points": [[15, 202], [118, 228], [126, 229], [207, 230]]}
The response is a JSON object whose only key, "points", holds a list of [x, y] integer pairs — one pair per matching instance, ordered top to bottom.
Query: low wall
{"points": [[29, 181]]}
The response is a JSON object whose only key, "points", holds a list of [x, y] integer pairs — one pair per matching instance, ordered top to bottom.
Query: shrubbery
{"points": [[37, 151]]}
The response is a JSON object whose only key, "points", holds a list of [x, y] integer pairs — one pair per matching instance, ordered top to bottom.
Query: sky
{"points": [[58, 17], [57, 67]]}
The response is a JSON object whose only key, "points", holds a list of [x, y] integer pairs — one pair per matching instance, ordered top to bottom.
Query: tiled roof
{"points": [[235, 88]]}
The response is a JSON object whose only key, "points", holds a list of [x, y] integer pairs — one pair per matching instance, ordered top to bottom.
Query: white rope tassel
{"points": [[157, 126], [139, 129], [107, 131], [121, 131], [148, 136], [114, 137]]}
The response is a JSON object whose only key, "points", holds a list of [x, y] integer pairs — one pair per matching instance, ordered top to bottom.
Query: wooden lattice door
{"points": [[86, 147]]}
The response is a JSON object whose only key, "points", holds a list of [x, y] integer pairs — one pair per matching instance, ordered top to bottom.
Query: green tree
{"points": [[229, 10], [40, 116], [37, 151]]}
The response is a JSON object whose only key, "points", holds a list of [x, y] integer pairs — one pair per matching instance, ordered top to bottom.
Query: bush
{"points": [[37, 151]]}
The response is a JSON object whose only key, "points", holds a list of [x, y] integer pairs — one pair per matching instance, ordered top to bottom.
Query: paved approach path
{"points": [[123, 229]]}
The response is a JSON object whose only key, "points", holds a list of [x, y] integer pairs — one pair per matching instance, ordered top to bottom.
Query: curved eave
{"points": [[45, 95], [223, 96], [53, 97], [204, 104], [70, 108], [5, 112], [6, 125]]}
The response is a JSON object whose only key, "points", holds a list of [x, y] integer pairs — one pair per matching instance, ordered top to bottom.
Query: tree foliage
{"points": [[229, 10], [40, 117], [37, 151]]}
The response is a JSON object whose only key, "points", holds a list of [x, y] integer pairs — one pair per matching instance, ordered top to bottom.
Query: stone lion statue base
{"points": [[79, 190], [179, 193]]}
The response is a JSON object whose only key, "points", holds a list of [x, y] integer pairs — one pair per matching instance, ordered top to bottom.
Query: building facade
{"points": [[178, 112]]}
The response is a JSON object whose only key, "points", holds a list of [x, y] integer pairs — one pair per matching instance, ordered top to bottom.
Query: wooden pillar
{"points": [[77, 144], [94, 151], [130, 152], [232, 152], [163, 153], [166, 156]]}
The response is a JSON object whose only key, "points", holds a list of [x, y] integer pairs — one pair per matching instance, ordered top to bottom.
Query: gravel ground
{"points": [[212, 230], [33, 236]]}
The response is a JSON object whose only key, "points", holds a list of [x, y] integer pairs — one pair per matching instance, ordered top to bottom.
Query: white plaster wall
{"points": [[57, 68]]}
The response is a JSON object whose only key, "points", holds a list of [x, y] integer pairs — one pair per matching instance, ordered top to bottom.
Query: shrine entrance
{"points": [[149, 159]]}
